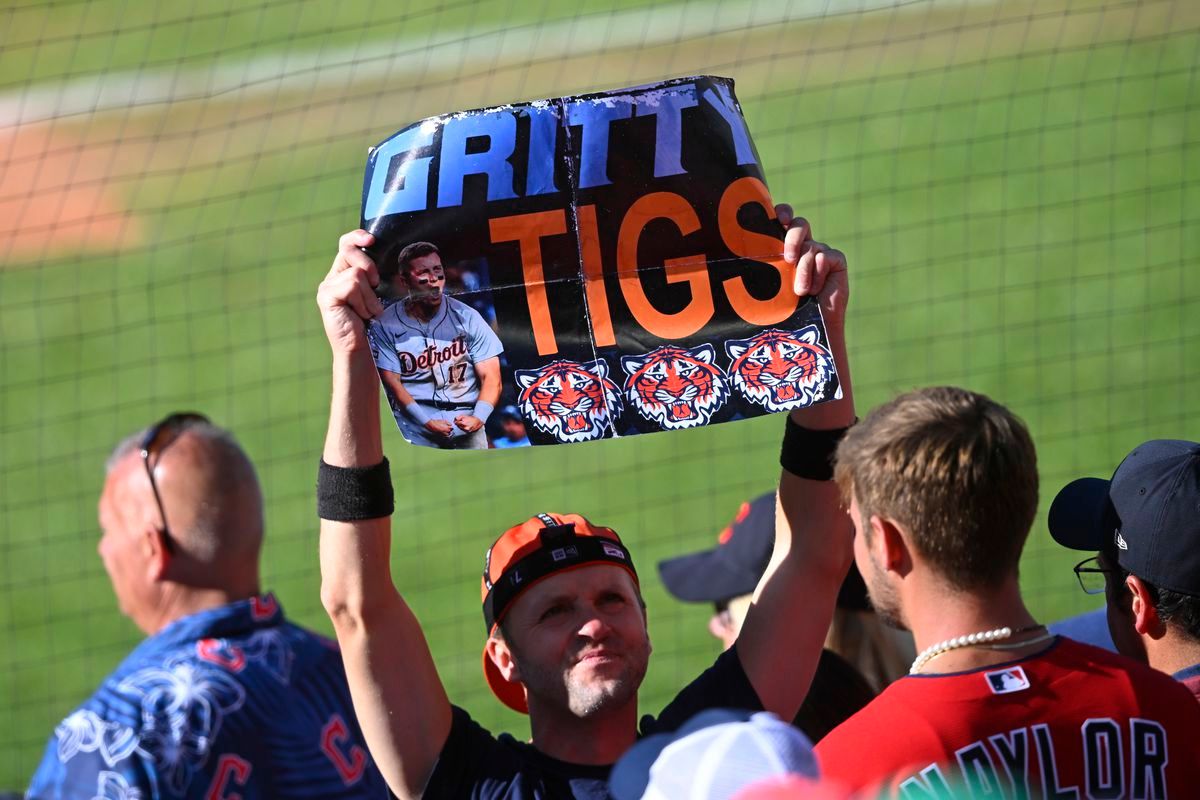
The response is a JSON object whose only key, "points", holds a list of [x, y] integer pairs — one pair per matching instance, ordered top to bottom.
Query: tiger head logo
{"points": [[781, 370], [674, 387], [573, 402]]}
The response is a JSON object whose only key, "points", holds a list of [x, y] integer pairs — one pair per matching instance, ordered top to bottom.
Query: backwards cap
{"points": [[527, 553]]}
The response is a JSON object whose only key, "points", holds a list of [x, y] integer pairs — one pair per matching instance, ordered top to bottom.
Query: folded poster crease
{"points": [[582, 268]]}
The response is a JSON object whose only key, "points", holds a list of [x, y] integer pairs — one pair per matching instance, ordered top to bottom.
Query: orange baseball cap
{"points": [[541, 546]]}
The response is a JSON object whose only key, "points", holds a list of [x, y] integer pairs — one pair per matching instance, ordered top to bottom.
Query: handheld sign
{"points": [[583, 268]]}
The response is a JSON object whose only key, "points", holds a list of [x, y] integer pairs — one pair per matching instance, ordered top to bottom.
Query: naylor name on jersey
{"points": [[431, 356], [1119, 762]]}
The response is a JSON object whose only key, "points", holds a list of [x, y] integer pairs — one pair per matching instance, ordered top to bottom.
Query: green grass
{"points": [[71, 39], [1014, 186]]}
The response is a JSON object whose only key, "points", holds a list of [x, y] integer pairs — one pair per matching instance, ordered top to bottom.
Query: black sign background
{"points": [[734, 244]]}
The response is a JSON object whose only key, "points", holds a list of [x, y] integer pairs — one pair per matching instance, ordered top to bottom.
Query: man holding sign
{"points": [[438, 358], [567, 628]]}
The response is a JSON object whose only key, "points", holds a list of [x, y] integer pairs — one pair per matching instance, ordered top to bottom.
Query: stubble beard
{"points": [[884, 601], [586, 699]]}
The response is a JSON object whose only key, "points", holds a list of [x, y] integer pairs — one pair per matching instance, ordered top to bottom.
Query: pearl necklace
{"points": [[970, 640]]}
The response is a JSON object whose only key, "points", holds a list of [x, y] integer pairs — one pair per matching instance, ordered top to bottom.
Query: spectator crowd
{"points": [[874, 641]]}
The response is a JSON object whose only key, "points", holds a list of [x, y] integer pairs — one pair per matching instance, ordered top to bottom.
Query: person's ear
{"points": [[890, 545], [156, 552], [1145, 614], [501, 655]]}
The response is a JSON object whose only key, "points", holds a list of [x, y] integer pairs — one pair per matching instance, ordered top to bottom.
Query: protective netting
{"points": [[1012, 182]]}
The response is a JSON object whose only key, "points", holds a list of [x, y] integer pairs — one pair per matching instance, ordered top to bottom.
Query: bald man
{"points": [[224, 698]]}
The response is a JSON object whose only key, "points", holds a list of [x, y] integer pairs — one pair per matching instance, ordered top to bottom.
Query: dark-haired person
{"points": [[438, 357], [512, 429], [942, 486], [1144, 526], [566, 629], [225, 697]]}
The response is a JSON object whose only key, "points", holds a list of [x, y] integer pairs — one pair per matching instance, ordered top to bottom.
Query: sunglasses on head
{"points": [[157, 439]]}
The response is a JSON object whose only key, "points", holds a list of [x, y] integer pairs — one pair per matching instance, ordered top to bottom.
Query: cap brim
{"points": [[1081, 516], [705, 577], [507, 692]]}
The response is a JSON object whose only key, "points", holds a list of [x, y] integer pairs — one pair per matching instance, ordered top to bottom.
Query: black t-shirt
{"points": [[476, 765]]}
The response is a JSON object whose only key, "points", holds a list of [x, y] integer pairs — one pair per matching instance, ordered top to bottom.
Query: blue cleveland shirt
{"points": [[233, 701], [476, 765]]}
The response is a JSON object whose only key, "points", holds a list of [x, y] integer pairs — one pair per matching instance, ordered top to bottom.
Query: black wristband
{"points": [[810, 454], [348, 494]]}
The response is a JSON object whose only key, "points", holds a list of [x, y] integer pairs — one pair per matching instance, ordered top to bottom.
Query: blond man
{"points": [[942, 487]]}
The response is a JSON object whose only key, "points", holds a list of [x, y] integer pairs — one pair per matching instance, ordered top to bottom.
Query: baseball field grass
{"points": [[1015, 185]]}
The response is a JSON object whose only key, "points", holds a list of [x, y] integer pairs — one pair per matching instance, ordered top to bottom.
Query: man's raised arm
{"points": [[781, 639], [398, 697]]}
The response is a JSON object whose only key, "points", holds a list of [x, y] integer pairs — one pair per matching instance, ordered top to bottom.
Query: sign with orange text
{"points": [[585, 268]]}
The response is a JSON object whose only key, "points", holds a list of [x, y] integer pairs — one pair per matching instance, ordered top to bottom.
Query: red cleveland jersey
{"points": [[1074, 721]]}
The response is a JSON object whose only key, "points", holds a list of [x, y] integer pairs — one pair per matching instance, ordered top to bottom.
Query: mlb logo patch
{"points": [[613, 550], [1006, 681]]}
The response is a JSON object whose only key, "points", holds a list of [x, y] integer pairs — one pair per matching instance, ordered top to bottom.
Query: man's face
{"points": [[425, 278], [122, 545], [880, 591], [1120, 611], [579, 640]]}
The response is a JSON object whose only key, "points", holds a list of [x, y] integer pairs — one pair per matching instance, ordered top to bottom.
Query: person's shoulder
{"points": [[463, 310], [393, 312], [1067, 648], [312, 650], [1088, 662], [283, 664], [1103, 682], [723, 685], [118, 698], [887, 710], [107, 724], [108, 728], [888, 731], [466, 732], [97, 739], [475, 763]]}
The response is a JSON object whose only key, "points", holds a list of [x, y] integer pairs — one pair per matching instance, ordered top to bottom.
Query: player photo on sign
{"points": [[583, 268], [438, 356]]}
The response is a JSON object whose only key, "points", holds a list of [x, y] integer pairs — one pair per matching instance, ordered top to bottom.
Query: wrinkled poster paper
{"points": [[583, 268]]}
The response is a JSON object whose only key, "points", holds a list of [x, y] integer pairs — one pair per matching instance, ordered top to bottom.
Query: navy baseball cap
{"points": [[1148, 514], [734, 567], [713, 755]]}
